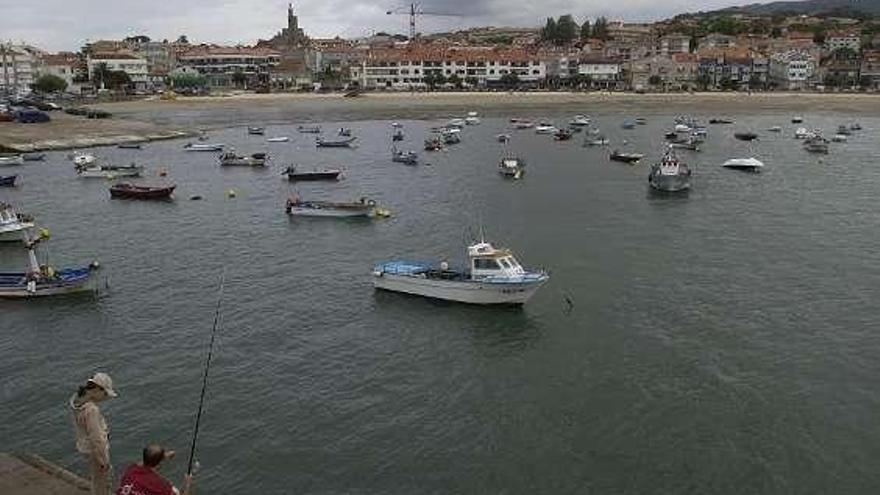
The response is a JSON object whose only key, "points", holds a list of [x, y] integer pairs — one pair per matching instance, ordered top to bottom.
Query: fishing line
{"points": [[192, 449]]}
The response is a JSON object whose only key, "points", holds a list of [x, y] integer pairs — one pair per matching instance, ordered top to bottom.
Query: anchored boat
{"points": [[579, 121], [309, 129], [256, 131], [337, 143], [204, 147], [618, 156], [33, 157], [407, 157], [231, 159], [745, 164], [296, 175], [670, 175], [7, 180], [125, 190], [361, 208], [14, 225], [493, 276], [44, 280]]}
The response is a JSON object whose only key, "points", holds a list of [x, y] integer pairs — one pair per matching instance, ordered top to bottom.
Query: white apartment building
{"points": [[843, 39], [673, 43], [220, 64], [134, 66], [17, 68], [406, 68], [792, 70], [602, 72]]}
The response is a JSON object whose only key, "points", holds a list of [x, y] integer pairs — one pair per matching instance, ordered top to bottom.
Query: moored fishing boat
{"points": [[472, 119], [797, 119], [721, 120], [456, 124], [523, 124], [628, 124], [775, 128], [309, 129], [545, 129], [844, 130], [256, 131], [802, 133], [397, 135], [562, 135], [451, 136], [745, 136], [503, 138], [839, 138], [279, 139], [597, 141], [335, 143], [433, 143], [816, 144], [129, 146], [204, 147], [619, 156], [33, 157], [407, 157], [231, 159], [11, 160], [512, 166], [109, 171], [311, 175], [670, 175], [7, 180], [125, 190], [362, 208], [14, 225], [493, 277], [44, 280]]}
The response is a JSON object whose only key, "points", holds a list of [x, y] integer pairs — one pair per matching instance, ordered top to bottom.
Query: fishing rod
{"points": [[192, 449]]}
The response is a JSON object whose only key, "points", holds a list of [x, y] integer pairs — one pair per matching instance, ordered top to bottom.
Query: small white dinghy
{"points": [[280, 139], [746, 164]]}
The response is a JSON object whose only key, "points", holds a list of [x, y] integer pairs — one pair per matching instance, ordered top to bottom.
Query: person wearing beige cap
{"points": [[92, 434]]}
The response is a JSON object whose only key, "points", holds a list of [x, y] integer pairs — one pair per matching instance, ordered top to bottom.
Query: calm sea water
{"points": [[721, 342]]}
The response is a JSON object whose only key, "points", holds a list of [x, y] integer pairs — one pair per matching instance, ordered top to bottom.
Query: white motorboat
{"points": [[472, 119], [797, 119], [579, 121], [456, 123], [523, 124], [682, 128], [775, 128], [545, 129], [802, 133], [839, 138], [280, 139], [597, 141], [204, 147], [83, 159], [12, 160], [747, 164], [512, 166], [13, 224], [493, 277]]}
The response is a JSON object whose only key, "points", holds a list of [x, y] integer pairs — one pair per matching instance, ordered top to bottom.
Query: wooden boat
{"points": [[309, 129], [256, 131], [745, 136], [338, 143], [129, 146], [204, 147], [618, 156], [33, 157], [407, 157], [231, 159], [11, 160], [109, 171], [314, 175], [7, 180], [127, 190], [361, 208], [493, 277], [44, 280]]}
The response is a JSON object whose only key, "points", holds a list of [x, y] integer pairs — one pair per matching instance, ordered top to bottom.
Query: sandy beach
{"points": [[153, 119]]}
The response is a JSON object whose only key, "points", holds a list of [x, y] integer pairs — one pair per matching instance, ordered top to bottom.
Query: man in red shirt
{"points": [[144, 479]]}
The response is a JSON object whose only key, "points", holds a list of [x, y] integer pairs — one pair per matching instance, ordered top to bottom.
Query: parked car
{"points": [[31, 117]]}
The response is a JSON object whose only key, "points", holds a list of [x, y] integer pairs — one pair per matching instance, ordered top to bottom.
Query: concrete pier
{"points": [[28, 474]]}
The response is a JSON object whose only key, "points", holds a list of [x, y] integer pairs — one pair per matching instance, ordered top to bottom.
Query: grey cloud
{"points": [[67, 24]]}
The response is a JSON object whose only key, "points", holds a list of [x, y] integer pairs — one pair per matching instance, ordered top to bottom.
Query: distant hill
{"points": [[843, 8]]}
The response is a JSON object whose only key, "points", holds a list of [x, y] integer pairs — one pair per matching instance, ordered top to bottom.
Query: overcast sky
{"points": [[66, 24]]}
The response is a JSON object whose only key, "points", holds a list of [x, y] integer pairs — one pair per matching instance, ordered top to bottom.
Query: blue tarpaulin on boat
{"points": [[402, 267]]}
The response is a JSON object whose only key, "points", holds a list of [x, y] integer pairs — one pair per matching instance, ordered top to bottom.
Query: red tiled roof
{"points": [[213, 50], [452, 54]]}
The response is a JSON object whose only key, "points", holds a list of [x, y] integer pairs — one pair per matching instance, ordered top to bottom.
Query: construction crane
{"points": [[413, 10]]}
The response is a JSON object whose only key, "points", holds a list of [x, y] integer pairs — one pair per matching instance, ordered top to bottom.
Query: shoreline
{"points": [[155, 119]]}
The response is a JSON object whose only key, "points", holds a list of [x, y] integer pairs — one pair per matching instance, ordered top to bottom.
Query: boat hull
{"points": [[8, 181], [669, 183], [329, 212], [16, 234], [68, 281], [468, 292]]}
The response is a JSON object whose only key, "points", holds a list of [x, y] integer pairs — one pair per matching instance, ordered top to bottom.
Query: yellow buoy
{"points": [[231, 193], [383, 213], [44, 233]]}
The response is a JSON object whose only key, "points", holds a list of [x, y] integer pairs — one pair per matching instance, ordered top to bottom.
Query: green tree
{"points": [[600, 28], [566, 29], [586, 31], [548, 32], [100, 74], [239, 78], [118, 79], [440, 79], [510, 79], [430, 80], [454, 80], [655, 80], [192, 81], [472, 81], [703, 81], [49, 83], [727, 84]]}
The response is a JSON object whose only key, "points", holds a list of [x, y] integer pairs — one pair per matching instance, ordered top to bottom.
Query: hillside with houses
{"points": [[753, 48]]}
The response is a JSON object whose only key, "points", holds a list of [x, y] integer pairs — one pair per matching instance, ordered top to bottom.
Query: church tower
{"points": [[292, 21]]}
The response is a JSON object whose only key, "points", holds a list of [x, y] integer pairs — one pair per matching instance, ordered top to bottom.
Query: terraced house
{"points": [[231, 66]]}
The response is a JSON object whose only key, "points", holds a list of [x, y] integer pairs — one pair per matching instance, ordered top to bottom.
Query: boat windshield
{"points": [[485, 264]]}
